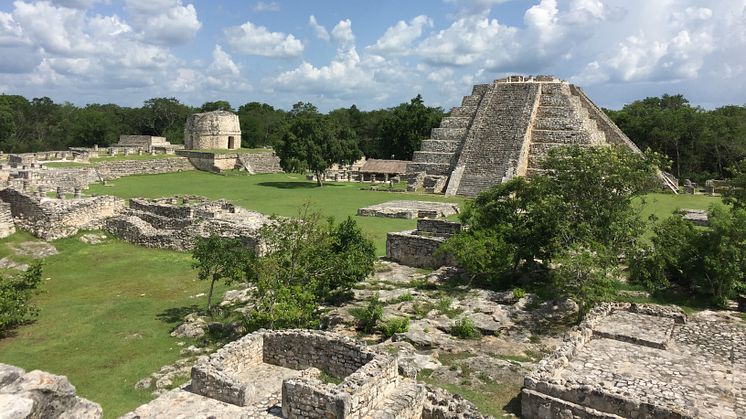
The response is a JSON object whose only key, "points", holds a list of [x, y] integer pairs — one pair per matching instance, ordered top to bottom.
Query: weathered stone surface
{"points": [[212, 130], [409, 209], [39, 394]]}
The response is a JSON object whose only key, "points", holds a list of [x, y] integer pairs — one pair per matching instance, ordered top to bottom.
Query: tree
{"points": [[218, 105], [164, 117], [260, 124], [404, 128], [310, 142], [736, 193], [583, 201], [217, 259], [307, 263], [580, 275], [15, 297]]}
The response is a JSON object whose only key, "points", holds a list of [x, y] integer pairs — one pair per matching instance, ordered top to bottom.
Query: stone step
{"points": [[480, 89], [472, 100], [468, 111], [455, 122], [557, 123], [448, 134], [560, 137], [440, 146], [542, 148], [432, 157], [429, 168], [435, 183], [405, 401]]}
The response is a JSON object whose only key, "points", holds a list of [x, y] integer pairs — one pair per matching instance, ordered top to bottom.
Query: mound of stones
{"points": [[409, 209], [176, 222], [38, 394]]}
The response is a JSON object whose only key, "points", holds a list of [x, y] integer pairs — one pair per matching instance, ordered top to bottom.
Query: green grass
{"points": [[280, 194], [663, 205], [106, 313]]}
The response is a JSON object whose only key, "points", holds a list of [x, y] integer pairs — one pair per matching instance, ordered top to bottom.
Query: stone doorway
{"points": [[231, 142]]}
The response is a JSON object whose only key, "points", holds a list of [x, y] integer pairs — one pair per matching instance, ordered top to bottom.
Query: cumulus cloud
{"points": [[75, 4], [266, 6], [166, 21], [318, 29], [342, 33], [398, 39], [258, 40]]}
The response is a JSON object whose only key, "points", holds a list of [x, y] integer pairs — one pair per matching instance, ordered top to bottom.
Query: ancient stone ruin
{"points": [[504, 128], [212, 130], [252, 162], [409, 209], [51, 219], [176, 222], [419, 248], [628, 360], [303, 374], [39, 394]]}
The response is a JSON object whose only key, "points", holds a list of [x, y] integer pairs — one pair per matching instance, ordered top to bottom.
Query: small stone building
{"points": [[212, 130], [383, 170]]}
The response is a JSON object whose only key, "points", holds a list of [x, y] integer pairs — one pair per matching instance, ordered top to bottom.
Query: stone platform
{"points": [[410, 209], [642, 361]]}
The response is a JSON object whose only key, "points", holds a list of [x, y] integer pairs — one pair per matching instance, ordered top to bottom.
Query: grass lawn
{"points": [[280, 194], [662, 205], [107, 309], [106, 313]]}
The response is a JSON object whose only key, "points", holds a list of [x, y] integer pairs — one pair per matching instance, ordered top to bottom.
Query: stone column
{"points": [[95, 147], [111, 151], [139, 152], [349, 176], [386, 177], [40, 192], [76, 192], [60, 193]]}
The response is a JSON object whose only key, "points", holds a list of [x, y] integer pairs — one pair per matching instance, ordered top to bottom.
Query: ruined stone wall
{"points": [[144, 141], [265, 162], [116, 169], [67, 179], [157, 208], [52, 219], [7, 227], [438, 227], [412, 249]]}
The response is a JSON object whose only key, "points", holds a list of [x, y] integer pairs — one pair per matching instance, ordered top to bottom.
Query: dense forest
{"points": [[702, 144]]}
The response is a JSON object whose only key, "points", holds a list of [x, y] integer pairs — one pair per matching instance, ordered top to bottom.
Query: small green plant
{"points": [[519, 293], [401, 299], [444, 307], [422, 309], [368, 317], [394, 325], [464, 328], [327, 378]]}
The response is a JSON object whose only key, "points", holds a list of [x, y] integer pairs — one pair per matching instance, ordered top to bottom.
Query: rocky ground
{"points": [[487, 369]]}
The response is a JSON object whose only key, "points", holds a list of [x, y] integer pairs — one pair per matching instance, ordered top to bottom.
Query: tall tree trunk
{"points": [[318, 179], [209, 296]]}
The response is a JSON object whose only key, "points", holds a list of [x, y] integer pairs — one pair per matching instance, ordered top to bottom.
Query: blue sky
{"points": [[374, 54]]}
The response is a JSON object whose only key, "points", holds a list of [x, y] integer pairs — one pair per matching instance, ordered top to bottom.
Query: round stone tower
{"points": [[212, 130]]}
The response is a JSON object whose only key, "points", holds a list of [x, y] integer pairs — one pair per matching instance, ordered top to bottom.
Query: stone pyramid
{"points": [[504, 128]]}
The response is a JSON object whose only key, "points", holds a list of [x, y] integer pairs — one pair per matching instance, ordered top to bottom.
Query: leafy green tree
{"points": [[218, 105], [164, 117], [260, 124], [403, 129], [310, 142], [736, 192], [583, 201], [220, 259], [710, 262], [307, 263], [581, 275], [15, 297]]}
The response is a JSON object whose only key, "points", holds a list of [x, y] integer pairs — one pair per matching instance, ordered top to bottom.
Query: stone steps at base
{"points": [[467, 111], [455, 122], [448, 134], [568, 137], [442, 146], [431, 157], [429, 168], [472, 185], [405, 401]]}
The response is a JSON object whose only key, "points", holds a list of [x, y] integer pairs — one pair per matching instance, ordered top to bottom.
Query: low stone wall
{"points": [[266, 162], [254, 163], [116, 169], [52, 219], [7, 227], [440, 228], [411, 249], [544, 395]]}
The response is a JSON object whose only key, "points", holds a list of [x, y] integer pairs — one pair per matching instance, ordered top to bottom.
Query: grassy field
{"points": [[280, 194], [107, 309], [106, 313]]}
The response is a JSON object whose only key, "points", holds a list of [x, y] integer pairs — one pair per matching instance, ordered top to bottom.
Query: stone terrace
{"points": [[409, 209], [627, 360]]}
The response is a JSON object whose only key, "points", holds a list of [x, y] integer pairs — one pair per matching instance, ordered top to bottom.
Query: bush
{"points": [[519, 293], [15, 297], [368, 317], [394, 325], [464, 328]]}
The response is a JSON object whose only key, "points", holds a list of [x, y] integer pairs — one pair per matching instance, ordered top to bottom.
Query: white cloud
{"points": [[75, 4], [266, 6], [474, 7], [165, 21], [318, 29], [342, 33], [398, 39], [258, 40], [467, 41]]}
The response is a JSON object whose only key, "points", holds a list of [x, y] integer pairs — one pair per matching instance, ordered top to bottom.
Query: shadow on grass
{"points": [[295, 185], [177, 314]]}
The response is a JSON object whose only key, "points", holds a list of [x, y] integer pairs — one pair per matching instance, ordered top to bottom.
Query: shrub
{"points": [[519, 293], [15, 296], [444, 307], [368, 317], [394, 325], [464, 328]]}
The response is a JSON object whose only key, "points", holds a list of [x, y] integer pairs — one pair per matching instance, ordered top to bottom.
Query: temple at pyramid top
{"points": [[504, 128]]}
